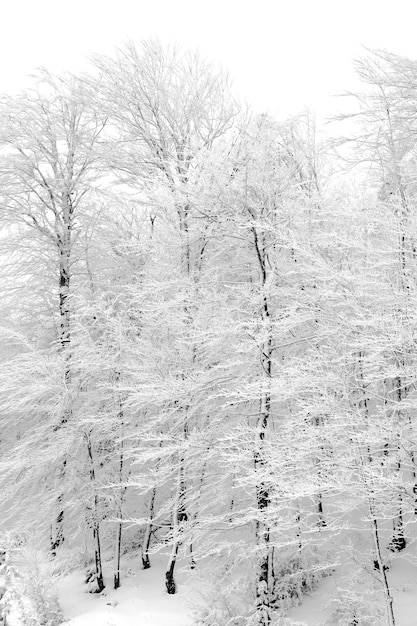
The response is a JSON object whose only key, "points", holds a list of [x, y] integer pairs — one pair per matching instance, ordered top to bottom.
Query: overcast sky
{"points": [[283, 55]]}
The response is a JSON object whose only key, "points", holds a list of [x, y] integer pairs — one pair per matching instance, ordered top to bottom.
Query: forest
{"points": [[208, 319]]}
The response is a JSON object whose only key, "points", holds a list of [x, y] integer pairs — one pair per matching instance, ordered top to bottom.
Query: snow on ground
{"points": [[402, 578], [140, 601], [143, 601]]}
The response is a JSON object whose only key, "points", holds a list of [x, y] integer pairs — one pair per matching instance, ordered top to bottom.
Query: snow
{"points": [[402, 578], [141, 599], [311, 612]]}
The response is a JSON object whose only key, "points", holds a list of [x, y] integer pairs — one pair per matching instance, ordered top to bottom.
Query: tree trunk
{"points": [[64, 250], [263, 501], [196, 512], [180, 517], [321, 522], [96, 524], [148, 530], [262, 537], [398, 541], [97, 557], [382, 569], [116, 577], [170, 583], [264, 584]]}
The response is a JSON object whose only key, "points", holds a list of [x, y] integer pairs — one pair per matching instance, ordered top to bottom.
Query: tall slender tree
{"points": [[49, 139]]}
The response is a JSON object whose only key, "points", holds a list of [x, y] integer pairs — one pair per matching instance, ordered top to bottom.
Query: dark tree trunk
{"points": [[64, 250], [122, 491], [197, 510], [180, 515], [180, 518], [321, 519], [96, 524], [57, 530], [57, 536], [398, 541], [97, 558], [146, 563], [381, 567], [116, 577], [170, 583], [264, 583]]}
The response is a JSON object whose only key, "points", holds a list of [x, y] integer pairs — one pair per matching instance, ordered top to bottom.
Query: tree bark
{"points": [[63, 239], [122, 491], [180, 517], [96, 524], [146, 542], [382, 569], [264, 583]]}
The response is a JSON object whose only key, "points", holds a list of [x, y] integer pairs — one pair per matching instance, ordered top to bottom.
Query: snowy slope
{"points": [[141, 600], [315, 609]]}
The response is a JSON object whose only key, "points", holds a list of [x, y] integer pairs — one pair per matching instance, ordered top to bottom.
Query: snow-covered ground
{"points": [[402, 577], [140, 601], [143, 601]]}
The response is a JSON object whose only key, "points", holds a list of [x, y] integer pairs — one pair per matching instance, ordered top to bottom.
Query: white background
{"points": [[283, 55]]}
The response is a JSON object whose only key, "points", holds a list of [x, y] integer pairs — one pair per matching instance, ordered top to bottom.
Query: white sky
{"points": [[283, 55]]}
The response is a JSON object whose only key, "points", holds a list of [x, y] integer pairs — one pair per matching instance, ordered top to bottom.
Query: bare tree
{"points": [[168, 108], [48, 167]]}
